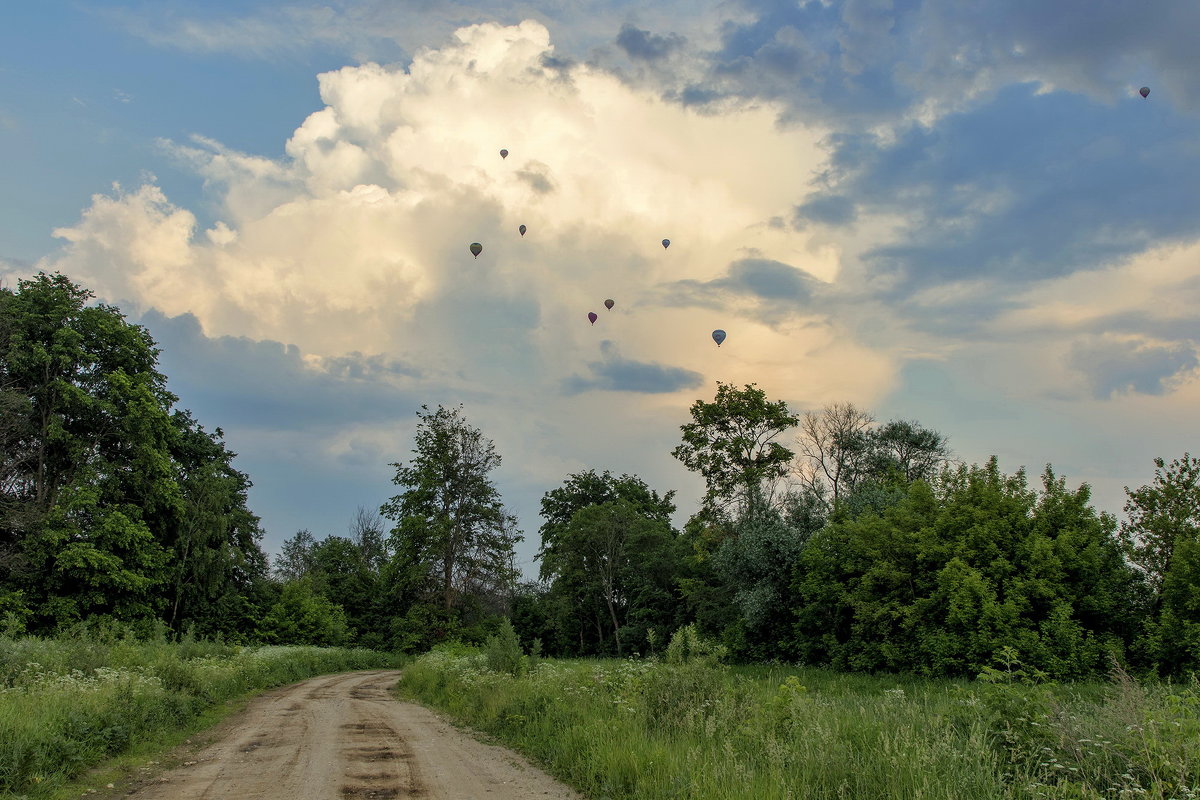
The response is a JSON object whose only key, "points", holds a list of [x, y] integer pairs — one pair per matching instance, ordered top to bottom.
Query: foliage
{"points": [[731, 442], [111, 503], [1162, 536], [453, 538], [610, 560], [947, 576], [304, 617], [687, 646], [502, 651], [67, 703], [650, 730]]}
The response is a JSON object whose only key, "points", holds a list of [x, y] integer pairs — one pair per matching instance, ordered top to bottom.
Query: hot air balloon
{"points": [[1144, 91], [504, 154], [522, 229], [666, 243], [476, 249], [609, 304], [592, 316], [718, 336]]}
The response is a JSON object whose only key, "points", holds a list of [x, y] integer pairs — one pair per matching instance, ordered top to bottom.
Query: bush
{"points": [[689, 647], [502, 651]]}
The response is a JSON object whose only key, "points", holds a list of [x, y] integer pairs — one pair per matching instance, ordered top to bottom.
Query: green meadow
{"points": [[68, 703], [646, 729]]}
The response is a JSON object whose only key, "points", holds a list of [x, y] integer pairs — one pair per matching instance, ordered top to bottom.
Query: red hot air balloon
{"points": [[1144, 91], [504, 154], [522, 229], [666, 243], [476, 249], [609, 304], [592, 316], [718, 336]]}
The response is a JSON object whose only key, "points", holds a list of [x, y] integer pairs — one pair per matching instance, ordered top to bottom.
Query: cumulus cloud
{"points": [[335, 292]]}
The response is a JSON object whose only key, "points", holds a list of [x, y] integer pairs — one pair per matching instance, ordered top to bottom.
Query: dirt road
{"points": [[346, 736]]}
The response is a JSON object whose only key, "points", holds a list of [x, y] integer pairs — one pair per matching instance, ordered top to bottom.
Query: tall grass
{"points": [[66, 704], [640, 729]]}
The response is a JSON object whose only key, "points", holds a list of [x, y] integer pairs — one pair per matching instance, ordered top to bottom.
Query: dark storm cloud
{"points": [[644, 46], [869, 59], [1025, 187], [827, 209], [761, 278], [1114, 366], [616, 374], [239, 382]]}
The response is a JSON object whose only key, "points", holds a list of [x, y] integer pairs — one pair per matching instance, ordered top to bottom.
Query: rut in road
{"points": [[345, 737]]}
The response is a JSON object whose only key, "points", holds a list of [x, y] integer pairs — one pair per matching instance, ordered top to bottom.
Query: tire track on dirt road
{"points": [[345, 737]]}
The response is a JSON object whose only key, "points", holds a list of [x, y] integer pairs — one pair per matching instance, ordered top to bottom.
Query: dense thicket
{"points": [[826, 538]]}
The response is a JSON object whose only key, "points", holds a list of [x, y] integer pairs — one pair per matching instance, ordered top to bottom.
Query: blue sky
{"points": [[958, 213]]}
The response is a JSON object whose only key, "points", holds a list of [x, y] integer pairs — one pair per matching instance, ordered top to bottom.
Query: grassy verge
{"points": [[68, 704], [646, 730]]}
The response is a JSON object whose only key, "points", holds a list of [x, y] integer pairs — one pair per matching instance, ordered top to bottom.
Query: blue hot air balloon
{"points": [[522, 230], [666, 243], [718, 336]]}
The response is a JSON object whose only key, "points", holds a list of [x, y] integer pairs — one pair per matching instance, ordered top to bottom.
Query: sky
{"points": [[958, 213]]}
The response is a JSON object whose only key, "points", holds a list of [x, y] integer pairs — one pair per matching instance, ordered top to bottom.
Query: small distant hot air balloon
{"points": [[1144, 91], [504, 154], [522, 229], [666, 243], [476, 249], [609, 304], [592, 316], [718, 336]]}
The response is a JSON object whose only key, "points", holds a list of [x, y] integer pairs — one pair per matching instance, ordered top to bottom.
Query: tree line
{"points": [[827, 538]]}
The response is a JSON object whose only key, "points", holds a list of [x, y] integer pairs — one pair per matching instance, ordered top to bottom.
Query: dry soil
{"points": [[346, 736]]}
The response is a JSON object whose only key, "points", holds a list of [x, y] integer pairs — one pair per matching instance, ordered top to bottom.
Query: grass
{"points": [[69, 704], [647, 730]]}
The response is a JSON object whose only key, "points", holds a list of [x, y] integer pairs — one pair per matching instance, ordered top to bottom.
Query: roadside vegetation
{"points": [[68, 703], [687, 727]]}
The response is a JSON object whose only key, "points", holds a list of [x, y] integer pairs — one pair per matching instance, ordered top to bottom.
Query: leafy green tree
{"points": [[731, 442], [93, 480], [453, 537], [1162, 537], [217, 558], [295, 559], [758, 562], [942, 580], [581, 581], [303, 616]]}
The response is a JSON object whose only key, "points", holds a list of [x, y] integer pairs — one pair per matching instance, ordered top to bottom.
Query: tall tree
{"points": [[731, 442], [834, 449], [96, 492], [452, 528], [1162, 537], [574, 602]]}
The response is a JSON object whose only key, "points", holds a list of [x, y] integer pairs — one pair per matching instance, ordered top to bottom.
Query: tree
{"points": [[731, 443], [840, 452], [91, 491], [1162, 515], [452, 530], [1162, 538], [295, 559], [581, 584], [302, 616]]}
